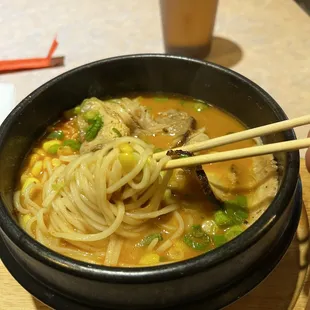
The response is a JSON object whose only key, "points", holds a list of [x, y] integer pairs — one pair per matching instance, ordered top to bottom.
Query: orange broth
{"points": [[195, 207]]}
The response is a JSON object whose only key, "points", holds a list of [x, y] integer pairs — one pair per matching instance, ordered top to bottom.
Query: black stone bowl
{"points": [[216, 273]]}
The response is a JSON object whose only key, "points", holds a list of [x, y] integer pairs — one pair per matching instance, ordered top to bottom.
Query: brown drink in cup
{"points": [[188, 26]]}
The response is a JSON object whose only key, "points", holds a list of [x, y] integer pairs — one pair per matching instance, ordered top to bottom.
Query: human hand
{"points": [[308, 156]]}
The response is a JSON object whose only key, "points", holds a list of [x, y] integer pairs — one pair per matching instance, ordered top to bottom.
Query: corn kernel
{"points": [[48, 144], [126, 148], [66, 150], [39, 152], [33, 159], [45, 161], [128, 161], [56, 162], [37, 168], [23, 178], [28, 182], [24, 220], [209, 227], [181, 245], [176, 252], [149, 259]]}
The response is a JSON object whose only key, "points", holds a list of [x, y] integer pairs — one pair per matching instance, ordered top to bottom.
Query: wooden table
{"points": [[286, 288]]}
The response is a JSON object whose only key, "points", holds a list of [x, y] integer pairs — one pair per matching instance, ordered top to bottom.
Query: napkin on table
{"points": [[7, 100]]}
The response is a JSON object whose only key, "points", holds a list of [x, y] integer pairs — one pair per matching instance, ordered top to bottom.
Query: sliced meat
{"points": [[128, 117], [140, 118], [177, 124], [113, 125], [196, 136], [264, 172], [199, 174], [260, 190]]}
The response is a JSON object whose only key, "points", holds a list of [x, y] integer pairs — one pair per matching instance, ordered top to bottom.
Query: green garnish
{"points": [[160, 98], [182, 102], [199, 107], [77, 110], [90, 116], [93, 129], [116, 131], [57, 134], [75, 145], [53, 149], [159, 149], [184, 155], [240, 201], [237, 210], [233, 212], [237, 214], [222, 219], [233, 232], [148, 239], [197, 239], [219, 240]]}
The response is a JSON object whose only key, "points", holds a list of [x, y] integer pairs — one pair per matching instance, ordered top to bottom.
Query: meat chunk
{"points": [[127, 117], [138, 118], [177, 124], [112, 128], [196, 136], [199, 174], [260, 189]]}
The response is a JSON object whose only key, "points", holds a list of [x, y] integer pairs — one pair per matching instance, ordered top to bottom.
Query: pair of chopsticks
{"points": [[33, 63], [240, 153]]}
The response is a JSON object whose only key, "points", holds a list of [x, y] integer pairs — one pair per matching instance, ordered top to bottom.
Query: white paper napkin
{"points": [[7, 100]]}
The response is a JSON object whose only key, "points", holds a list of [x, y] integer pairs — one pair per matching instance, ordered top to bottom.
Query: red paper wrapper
{"points": [[33, 63]]}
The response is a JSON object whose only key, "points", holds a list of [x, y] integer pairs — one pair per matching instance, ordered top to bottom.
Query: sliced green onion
{"points": [[199, 107], [77, 110], [90, 116], [93, 129], [116, 131], [57, 134], [75, 145], [53, 149], [183, 155], [240, 201], [237, 210], [236, 213], [222, 219], [209, 227], [197, 231], [233, 232], [148, 239], [197, 239], [219, 240]]}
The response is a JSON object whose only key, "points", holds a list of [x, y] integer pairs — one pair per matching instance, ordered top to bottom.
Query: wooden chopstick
{"points": [[243, 135], [237, 154]]}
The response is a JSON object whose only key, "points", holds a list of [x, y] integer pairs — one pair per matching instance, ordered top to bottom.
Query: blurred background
{"points": [[267, 40]]}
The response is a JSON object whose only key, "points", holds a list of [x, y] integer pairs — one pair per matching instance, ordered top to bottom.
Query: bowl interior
{"points": [[139, 73]]}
